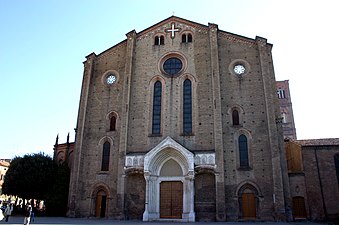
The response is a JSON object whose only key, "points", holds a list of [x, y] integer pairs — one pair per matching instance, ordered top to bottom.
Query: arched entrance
{"points": [[169, 173], [248, 202], [100, 204]]}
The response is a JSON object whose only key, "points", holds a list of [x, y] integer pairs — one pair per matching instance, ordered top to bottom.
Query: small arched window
{"points": [[183, 38], [186, 38], [189, 38], [159, 40], [235, 117], [156, 120], [112, 124], [243, 151], [105, 156]]}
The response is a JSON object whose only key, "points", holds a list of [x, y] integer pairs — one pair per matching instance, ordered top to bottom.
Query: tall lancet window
{"points": [[187, 107], [156, 121], [243, 151], [105, 156], [336, 162]]}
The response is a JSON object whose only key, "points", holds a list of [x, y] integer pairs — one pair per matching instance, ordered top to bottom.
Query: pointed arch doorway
{"points": [[169, 174]]}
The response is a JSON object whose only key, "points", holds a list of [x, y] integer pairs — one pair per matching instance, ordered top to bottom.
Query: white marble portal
{"points": [[154, 161]]}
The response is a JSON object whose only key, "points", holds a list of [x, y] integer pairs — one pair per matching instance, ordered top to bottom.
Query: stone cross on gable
{"points": [[172, 30]]}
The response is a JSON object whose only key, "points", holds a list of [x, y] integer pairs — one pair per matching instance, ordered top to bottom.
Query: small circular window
{"points": [[172, 66], [239, 69], [111, 79]]}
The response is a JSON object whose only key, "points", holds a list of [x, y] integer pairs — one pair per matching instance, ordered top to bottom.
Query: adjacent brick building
{"points": [[313, 167]]}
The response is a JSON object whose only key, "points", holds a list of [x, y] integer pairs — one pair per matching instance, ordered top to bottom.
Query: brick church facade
{"points": [[180, 121]]}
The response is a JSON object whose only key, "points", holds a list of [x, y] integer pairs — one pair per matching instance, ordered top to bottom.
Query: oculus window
{"points": [[172, 66]]}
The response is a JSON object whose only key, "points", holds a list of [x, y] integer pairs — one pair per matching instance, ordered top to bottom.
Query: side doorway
{"points": [[100, 204]]}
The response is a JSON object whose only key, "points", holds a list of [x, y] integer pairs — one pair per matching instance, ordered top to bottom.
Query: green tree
{"points": [[30, 177], [57, 199]]}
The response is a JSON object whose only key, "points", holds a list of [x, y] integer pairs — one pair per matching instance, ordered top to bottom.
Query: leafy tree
{"points": [[30, 177], [56, 202]]}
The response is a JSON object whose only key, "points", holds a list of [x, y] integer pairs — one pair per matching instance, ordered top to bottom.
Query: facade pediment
{"points": [[165, 25]]}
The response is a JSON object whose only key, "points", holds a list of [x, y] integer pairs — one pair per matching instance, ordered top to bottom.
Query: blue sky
{"points": [[43, 44]]}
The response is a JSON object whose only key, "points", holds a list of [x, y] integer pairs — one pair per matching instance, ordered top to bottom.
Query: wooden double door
{"points": [[171, 199]]}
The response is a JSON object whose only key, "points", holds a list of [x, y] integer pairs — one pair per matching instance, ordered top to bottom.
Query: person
{"points": [[8, 211], [28, 212], [32, 214]]}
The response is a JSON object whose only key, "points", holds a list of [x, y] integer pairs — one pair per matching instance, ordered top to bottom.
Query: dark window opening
{"points": [[183, 38], [186, 38], [189, 38], [159, 40], [187, 107], [235, 117], [156, 120], [112, 124], [243, 151], [105, 156], [336, 162]]}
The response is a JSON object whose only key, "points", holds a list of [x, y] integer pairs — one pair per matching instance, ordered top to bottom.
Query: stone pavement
{"points": [[94, 221]]}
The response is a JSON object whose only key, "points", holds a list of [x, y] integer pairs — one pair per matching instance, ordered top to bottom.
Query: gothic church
{"points": [[180, 121]]}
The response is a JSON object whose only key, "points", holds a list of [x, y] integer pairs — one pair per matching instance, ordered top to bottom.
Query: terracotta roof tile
{"points": [[318, 142]]}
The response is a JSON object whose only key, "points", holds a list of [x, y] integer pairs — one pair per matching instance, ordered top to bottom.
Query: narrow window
{"points": [[183, 38], [189, 38], [156, 40], [162, 40], [281, 93], [187, 107], [235, 117], [156, 120], [112, 123], [243, 151], [105, 156], [336, 162]]}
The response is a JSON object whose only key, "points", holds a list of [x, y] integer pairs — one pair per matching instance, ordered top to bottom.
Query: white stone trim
{"points": [[153, 162]]}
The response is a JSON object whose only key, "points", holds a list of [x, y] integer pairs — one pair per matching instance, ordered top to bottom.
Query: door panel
{"points": [[171, 195], [248, 206], [299, 210]]}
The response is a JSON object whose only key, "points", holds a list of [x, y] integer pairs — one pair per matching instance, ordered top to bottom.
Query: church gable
{"points": [[170, 27]]}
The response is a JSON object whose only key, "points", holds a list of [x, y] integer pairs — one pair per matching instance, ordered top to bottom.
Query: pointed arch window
{"points": [[187, 107], [235, 117], [156, 120], [112, 124], [243, 151], [105, 156], [336, 162]]}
